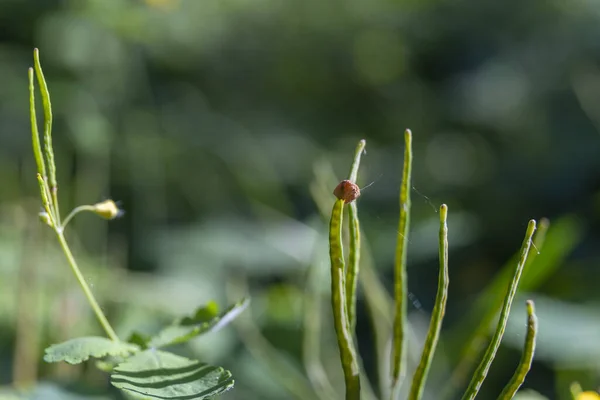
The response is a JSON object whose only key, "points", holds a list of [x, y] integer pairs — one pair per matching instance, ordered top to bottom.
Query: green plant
{"points": [[344, 269], [340, 291], [139, 365]]}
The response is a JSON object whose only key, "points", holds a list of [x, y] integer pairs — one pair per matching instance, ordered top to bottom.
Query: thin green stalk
{"points": [[47, 131], [360, 148], [48, 187], [76, 211], [354, 256], [353, 264], [400, 282], [86, 289], [491, 302], [348, 354], [526, 359], [481, 372], [418, 383]]}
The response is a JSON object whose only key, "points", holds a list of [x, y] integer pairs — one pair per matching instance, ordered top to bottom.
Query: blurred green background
{"points": [[216, 123]]}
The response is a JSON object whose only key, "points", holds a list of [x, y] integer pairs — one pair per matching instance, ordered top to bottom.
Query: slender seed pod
{"points": [[400, 280], [345, 341], [526, 359], [481, 372], [418, 383]]}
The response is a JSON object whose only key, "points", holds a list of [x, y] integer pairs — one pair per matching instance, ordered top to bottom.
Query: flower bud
{"points": [[107, 209], [45, 218]]}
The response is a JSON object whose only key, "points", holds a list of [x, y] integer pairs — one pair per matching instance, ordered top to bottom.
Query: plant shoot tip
{"points": [[530, 306]]}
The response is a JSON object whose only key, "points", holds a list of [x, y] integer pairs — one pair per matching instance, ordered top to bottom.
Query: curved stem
{"points": [[360, 148], [74, 212], [86, 289], [490, 301], [526, 359], [484, 366]]}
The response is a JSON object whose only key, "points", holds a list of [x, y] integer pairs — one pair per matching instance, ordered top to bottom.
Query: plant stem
{"points": [[360, 148], [49, 188], [74, 212], [354, 256], [353, 264], [400, 283], [86, 289], [490, 301], [348, 354], [526, 359], [481, 372], [418, 383]]}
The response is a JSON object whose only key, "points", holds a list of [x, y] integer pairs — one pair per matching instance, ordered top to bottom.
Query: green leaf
{"points": [[202, 314], [205, 319], [139, 339], [78, 350], [155, 374]]}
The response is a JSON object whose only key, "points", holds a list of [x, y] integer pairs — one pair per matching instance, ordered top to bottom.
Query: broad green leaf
{"points": [[205, 319], [78, 350], [155, 374]]}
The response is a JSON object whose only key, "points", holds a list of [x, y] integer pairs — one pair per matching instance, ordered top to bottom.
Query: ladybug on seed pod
{"points": [[347, 190]]}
